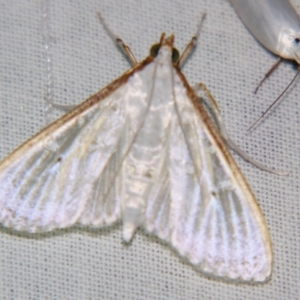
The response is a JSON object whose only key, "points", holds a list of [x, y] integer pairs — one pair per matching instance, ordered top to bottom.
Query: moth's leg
{"points": [[117, 40], [192, 44], [273, 68], [212, 104], [62, 107], [49, 118]]}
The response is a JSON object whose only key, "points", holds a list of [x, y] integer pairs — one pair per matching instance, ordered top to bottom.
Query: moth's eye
{"points": [[297, 41], [154, 50], [175, 55]]}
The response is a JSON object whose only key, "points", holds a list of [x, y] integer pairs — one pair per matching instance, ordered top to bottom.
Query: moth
{"points": [[276, 25], [142, 151]]}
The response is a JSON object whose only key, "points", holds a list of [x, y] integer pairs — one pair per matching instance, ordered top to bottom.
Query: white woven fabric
{"points": [[94, 264]]}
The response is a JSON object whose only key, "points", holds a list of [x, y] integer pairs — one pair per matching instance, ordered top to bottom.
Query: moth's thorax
{"points": [[145, 161]]}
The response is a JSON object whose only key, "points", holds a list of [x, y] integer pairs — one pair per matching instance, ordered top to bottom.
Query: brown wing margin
{"points": [[89, 102], [227, 159]]}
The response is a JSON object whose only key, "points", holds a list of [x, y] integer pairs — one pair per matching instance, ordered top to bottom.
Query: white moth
{"points": [[276, 25], [143, 151]]}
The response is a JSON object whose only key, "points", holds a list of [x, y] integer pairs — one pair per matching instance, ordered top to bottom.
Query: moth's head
{"points": [[288, 45], [165, 49], [296, 49]]}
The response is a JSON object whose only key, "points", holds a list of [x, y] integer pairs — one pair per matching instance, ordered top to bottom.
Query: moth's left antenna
{"points": [[117, 40]]}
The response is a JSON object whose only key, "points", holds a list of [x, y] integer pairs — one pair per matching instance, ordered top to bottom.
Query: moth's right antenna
{"points": [[192, 44]]}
